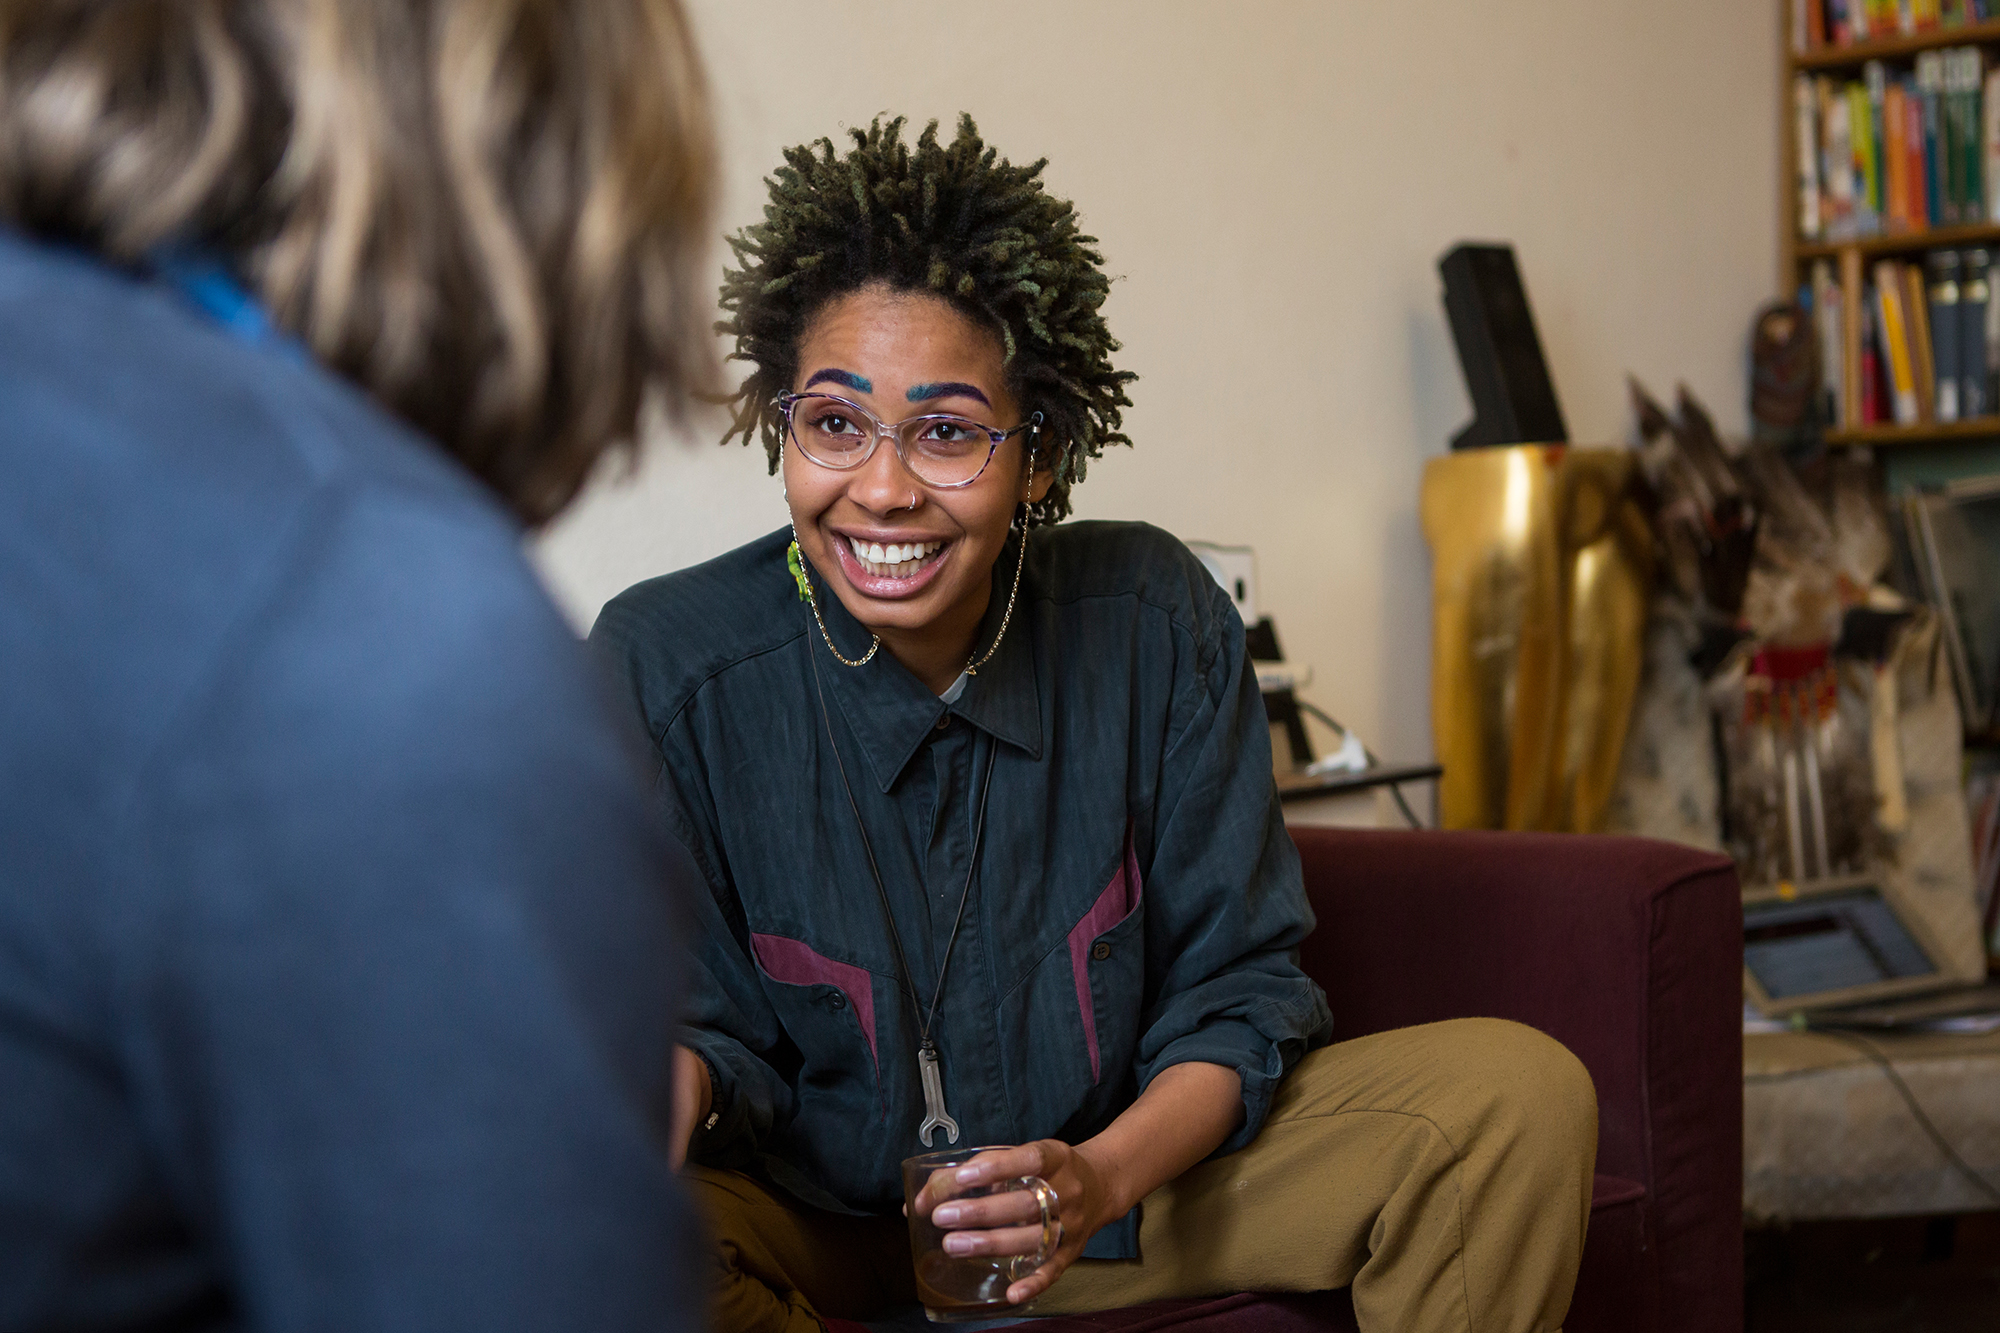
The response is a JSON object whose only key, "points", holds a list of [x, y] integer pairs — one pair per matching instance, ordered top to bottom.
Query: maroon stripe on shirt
{"points": [[1118, 901], [796, 963]]}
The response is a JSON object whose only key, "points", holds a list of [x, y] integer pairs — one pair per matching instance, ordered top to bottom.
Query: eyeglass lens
{"points": [[942, 450]]}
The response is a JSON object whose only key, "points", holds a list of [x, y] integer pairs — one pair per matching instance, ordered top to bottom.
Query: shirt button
{"points": [[944, 720], [1100, 951], [836, 1001]]}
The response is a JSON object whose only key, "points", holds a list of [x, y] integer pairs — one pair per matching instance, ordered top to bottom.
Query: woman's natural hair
{"points": [[490, 214], [956, 221]]}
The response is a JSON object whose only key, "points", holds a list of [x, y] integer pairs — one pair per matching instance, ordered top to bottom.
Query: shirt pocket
{"points": [[1108, 966], [828, 1009], [1070, 1027]]}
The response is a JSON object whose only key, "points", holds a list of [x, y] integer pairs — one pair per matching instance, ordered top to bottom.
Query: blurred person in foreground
{"points": [[335, 942]]}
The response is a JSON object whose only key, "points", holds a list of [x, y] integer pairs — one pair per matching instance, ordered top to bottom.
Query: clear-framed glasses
{"points": [[939, 449]]}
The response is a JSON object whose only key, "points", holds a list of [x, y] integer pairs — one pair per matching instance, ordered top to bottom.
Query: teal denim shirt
{"points": [[1137, 902]]}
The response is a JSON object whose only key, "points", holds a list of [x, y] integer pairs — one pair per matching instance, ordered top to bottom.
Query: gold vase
{"points": [[1542, 562]]}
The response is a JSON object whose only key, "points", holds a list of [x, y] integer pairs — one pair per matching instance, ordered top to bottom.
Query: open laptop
{"points": [[1843, 941]]}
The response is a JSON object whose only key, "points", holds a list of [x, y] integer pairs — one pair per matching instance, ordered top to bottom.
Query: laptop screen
{"points": [[1828, 943]]}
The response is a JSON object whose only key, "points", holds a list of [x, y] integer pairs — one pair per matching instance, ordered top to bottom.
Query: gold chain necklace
{"points": [[795, 561], [972, 667]]}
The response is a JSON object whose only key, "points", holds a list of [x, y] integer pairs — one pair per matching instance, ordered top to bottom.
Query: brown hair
{"points": [[487, 213]]}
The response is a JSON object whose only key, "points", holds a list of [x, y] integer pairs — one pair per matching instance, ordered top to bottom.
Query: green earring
{"points": [[796, 563]]}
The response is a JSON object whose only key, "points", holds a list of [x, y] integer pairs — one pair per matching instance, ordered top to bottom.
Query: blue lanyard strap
{"points": [[206, 284]]}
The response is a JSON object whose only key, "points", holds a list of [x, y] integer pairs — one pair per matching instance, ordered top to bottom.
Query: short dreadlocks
{"points": [[956, 221]]}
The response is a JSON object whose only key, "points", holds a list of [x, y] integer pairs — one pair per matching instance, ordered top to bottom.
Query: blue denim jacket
{"points": [[1137, 902], [338, 942]]}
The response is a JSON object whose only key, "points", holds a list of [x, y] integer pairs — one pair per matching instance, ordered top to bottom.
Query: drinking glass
{"points": [[957, 1287]]}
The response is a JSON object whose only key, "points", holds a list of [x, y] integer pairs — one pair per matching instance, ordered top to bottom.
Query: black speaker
{"points": [[1512, 399]]}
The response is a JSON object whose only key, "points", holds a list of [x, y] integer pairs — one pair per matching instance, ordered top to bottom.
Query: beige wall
{"points": [[1273, 182]]}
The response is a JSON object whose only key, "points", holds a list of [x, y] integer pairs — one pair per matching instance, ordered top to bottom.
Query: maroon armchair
{"points": [[1627, 951]]}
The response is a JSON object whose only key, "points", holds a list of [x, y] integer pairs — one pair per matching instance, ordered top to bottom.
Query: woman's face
{"points": [[900, 355]]}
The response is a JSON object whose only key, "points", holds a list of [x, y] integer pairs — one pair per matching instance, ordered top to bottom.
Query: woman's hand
{"points": [[692, 1095], [1181, 1117], [1009, 1224]]}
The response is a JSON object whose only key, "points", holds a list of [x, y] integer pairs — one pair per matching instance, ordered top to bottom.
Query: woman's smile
{"points": [[890, 567]]}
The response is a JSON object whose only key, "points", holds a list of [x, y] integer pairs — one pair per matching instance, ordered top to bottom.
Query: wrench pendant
{"points": [[935, 1116]]}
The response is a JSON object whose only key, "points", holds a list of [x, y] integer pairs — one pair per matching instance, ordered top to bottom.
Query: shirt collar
{"points": [[891, 712]]}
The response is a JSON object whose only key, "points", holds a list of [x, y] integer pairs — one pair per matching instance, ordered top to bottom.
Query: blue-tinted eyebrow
{"points": [[858, 383], [947, 389]]}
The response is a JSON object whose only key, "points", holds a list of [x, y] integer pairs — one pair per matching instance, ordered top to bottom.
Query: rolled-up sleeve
{"points": [[1226, 904]]}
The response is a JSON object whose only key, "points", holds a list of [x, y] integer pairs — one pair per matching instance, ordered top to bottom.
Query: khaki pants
{"points": [[1443, 1172]]}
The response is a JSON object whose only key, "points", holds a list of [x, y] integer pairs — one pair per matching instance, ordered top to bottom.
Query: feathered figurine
{"points": [[1706, 523], [1770, 577]]}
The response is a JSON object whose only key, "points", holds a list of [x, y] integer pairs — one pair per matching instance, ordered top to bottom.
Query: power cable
{"points": [[1395, 788], [1874, 1052]]}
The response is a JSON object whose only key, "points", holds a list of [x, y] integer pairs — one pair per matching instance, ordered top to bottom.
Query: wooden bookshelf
{"points": [[1894, 48], [1903, 242], [1852, 258], [1934, 432]]}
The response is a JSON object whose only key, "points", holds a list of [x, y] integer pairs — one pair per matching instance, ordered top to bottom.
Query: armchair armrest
{"points": [[1627, 951]]}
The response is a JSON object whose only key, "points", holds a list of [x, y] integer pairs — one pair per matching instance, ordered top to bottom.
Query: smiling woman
{"points": [[907, 537], [1020, 879]]}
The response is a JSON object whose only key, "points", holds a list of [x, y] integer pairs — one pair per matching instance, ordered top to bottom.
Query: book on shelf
{"points": [[1817, 24], [1965, 82], [1875, 91], [1930, 93], [1805, 103], [1989, 137], [1951, 142], [1898, 151], [1895, 159], [1833, 162], [1867, 215], [1941, 268], [1822, 299], [1917, 316], [1975, 332], [1929, 336], [1897, 353], [1872, 391]]}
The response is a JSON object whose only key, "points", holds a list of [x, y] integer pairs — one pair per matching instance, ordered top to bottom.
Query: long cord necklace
{"points": [[936, 1117]]}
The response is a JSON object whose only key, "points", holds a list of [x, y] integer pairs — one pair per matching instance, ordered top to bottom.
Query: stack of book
{"points": [[1818, 23], [1901, 152], [1930, 348]]}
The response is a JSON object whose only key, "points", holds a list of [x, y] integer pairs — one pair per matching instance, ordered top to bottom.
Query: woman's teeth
{"points": [[895, 561]]}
